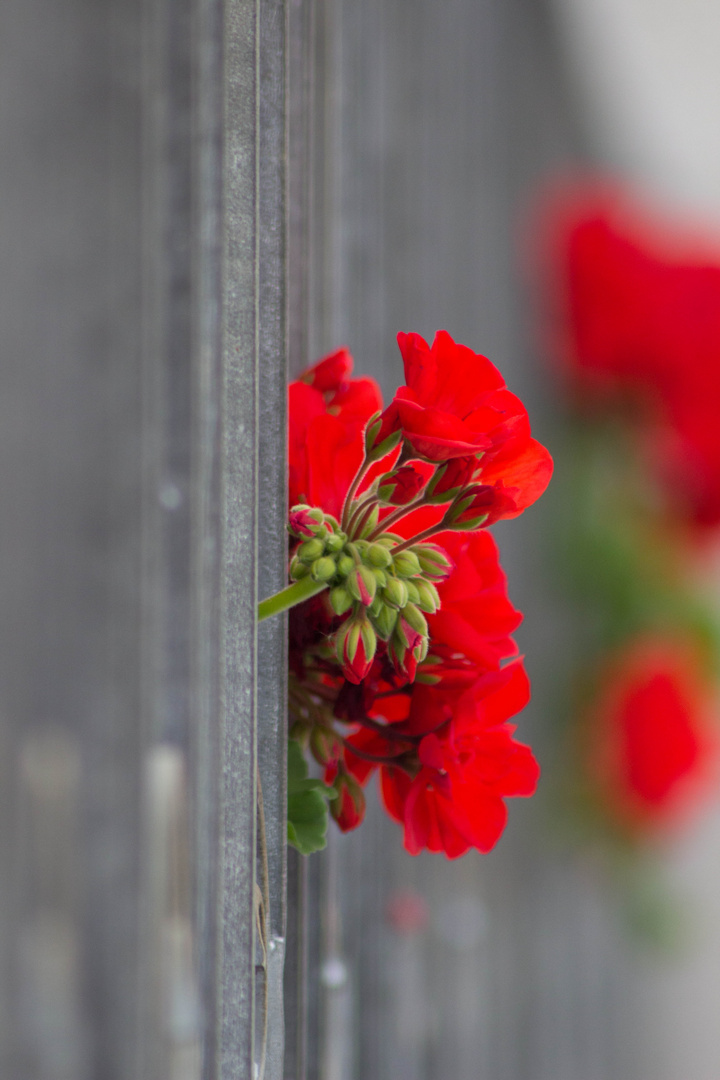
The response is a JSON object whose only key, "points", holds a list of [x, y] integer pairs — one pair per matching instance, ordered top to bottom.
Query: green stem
{"points": [[366, 463], [397, 515], [358, 523], [440, 527], [289, 597]]}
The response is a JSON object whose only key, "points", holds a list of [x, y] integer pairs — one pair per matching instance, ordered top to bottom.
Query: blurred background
{"points": [[541, 179]]}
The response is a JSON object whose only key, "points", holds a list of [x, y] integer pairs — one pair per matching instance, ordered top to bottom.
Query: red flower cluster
{"points": [[641, 317], [638, 331], [398, 667], [650, 744]]}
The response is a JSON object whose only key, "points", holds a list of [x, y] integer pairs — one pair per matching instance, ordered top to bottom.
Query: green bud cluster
{"points": [[382, 594]]}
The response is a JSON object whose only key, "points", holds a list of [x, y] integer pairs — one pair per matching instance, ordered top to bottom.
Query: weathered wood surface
{"points": [[143, 315]]}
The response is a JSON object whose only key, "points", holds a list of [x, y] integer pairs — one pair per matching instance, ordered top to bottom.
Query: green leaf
{"points": [[307, 804]]}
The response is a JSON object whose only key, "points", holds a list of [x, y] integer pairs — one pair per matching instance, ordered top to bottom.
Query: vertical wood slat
{"points": [[117, 471], [254, 486], [272, 535], [238, 566]]}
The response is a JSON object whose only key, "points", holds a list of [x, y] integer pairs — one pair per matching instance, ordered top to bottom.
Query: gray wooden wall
{"points": [[142, 394]]}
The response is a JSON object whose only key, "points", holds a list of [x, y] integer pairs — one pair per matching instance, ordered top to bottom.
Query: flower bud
{"points": [[383, 433], [451, 478], [400, 487], [479, 505], [305, 520], [388, 540], [335, 542], [311, 550], [378, 555], [433, 560], [405, 563], [345, 565], [298, 569], [323, 569], [362, 584], [395, 593], [413, 594], [428, 597], [340, 600], [376, 605], [414, 617], [384, 620], [355, 646], [406, 648], [325, 746], [348, 808]]}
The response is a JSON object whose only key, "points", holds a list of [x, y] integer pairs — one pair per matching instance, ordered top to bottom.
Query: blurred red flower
{"points": [[638, 305], [651, 747]]}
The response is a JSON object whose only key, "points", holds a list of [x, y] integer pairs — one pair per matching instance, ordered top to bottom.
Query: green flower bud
{"points": [[313, 512], [388, 540], [335, 542], [311, 550], [379, 556], [434, 563], [406, 564], [344, 565], [298, 569], [323, 569], [381, 578], [362, 585], [395, 593], [413, 594], [428, 597], [340, 600], [376, 605], [415, 619], [384, 620], [324, 745]]}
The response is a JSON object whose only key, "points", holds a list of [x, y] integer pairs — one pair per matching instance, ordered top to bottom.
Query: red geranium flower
{"points": [[638, 306], [330, 374], [455, 404], [328, 413], [476, 618], [650, 747], [456, 759], [469, 763]]}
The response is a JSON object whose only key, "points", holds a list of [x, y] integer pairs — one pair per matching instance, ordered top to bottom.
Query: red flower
{"points": [[638, 314], [332, 373], [455, 404], [328, 413], [476, 617], [650, 748], [456, 759], [468, 765]]}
